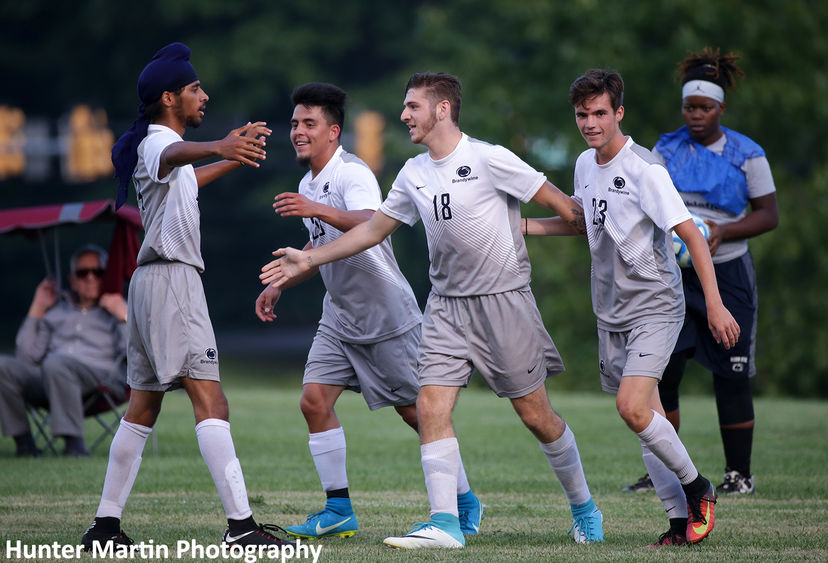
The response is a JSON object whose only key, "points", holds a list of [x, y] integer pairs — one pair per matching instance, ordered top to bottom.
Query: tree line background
{"points": [[516, 61]]}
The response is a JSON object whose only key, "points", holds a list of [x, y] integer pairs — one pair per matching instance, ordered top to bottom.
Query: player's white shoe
{"points": [[425, 535]]}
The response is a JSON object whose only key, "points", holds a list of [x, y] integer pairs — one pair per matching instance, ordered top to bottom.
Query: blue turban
{"points": [[169, 70]]}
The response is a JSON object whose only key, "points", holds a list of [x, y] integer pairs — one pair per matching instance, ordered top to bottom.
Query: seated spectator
{"points": [[67, 346]]}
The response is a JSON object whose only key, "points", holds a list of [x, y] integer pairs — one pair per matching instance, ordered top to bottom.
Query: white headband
{"points": [[703, 88]]}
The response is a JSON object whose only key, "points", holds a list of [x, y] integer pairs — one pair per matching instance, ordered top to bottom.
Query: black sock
{"points": [[738, 443], [696, 488], [338, 493], [108, 524], [678, 525], [241, 526]]}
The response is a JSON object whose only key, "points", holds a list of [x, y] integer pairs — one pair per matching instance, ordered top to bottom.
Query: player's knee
{"points": [[734, 400], [313, 404], [632, 414], [409, 415], [536, 420]]}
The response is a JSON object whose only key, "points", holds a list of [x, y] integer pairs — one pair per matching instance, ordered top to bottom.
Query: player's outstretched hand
{"points": [[245, 144], [292, 204], [292, 264], [265, 303], [724, 327]]}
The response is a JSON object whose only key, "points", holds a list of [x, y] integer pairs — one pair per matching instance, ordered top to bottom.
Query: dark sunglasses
{"points": [[83, 272]]}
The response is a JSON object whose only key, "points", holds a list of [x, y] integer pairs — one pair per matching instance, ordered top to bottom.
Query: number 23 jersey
{"points": [[469, 203], [630, 206]]}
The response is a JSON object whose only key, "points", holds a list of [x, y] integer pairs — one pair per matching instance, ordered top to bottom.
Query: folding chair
{"points": [[103, 404]]}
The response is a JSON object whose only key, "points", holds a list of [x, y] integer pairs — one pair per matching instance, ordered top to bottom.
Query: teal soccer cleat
{"points": [[471, 513], [325, 523], [587, 523]]}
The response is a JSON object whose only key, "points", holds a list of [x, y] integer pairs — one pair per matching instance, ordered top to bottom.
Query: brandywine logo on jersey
{"points": [[464, 173], [618, 184], [326, 190], [212, 356]]}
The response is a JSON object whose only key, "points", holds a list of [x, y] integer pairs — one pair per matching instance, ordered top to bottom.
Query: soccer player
{"points": [[720, 174], [630, 207], [481, 313], [370, 327], [170, 341]]}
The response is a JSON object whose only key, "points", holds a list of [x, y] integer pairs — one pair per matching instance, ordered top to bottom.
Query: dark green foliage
{"points": [[516, 61]]}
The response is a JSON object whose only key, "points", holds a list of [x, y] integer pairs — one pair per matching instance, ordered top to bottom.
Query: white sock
{"points": [[660, 438], [216, 445], [328, 451], [441, 462], [566, 463], [122, 468], [462, 481], [667, 486]]}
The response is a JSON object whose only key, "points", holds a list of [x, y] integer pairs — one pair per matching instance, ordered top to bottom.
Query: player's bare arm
{"points": [[244, 145], [207, 173], [292, 204], [567, 209], [763, 217], [547, 226], [291, 263], [266, 302], [724, 327]]}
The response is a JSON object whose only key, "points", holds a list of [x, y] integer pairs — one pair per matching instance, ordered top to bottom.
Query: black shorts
{"points": [[737, 286]]}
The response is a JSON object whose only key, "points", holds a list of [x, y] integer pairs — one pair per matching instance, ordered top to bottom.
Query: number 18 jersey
{"points": [[469, 203]]}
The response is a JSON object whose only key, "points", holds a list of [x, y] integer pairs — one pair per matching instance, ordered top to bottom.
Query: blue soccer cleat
{"points": [[471, 513], [325, 523], [587, 523]]}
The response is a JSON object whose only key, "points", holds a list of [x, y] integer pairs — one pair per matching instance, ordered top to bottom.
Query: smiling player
{"points": [[481, 313], [370, 327]]}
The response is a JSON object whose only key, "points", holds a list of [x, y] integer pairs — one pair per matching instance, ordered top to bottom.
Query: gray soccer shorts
{"points": [[169, 334], [501, 336], [644, 350], [385, 372]]}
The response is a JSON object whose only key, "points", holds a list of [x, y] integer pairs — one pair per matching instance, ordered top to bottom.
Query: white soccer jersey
{"points": [[759, 183], [469, 203], [168, 206], [630, 206], [368, 298]]}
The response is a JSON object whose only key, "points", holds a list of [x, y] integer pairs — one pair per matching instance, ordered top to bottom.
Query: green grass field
{"points": [[54, 500]]}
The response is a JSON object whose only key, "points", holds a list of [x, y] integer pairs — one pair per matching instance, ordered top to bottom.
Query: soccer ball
{"points": [[681, 250]]}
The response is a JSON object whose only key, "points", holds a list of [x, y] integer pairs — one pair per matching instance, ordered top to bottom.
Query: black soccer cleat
{"points": [[643, 484], [262, 535], [92, 536]]}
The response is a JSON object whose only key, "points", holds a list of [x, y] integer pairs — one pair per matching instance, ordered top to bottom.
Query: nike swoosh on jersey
{"points": [[420, 187], [640, 355], [533, 368], [321, 530]]}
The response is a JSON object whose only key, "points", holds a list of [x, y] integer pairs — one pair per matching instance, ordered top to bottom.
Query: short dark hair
{"points": [[595, 82], [439, 86], [326, 96]]}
